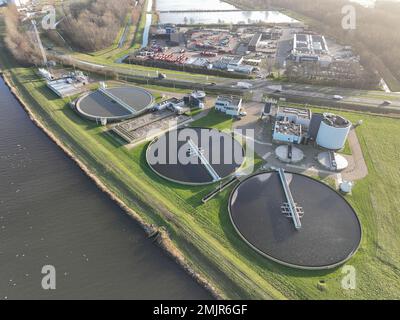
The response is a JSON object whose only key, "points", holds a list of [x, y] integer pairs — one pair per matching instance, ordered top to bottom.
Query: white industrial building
{"points": [[310, 47], [232, 64], [68, 85], [230, 105], [298, 116], [291, 124], [294, 125], [298, 125], [288, 132], [333, 132]]}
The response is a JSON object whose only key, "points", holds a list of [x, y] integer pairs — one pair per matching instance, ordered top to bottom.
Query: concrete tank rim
{"points": [[115, 118], [336, 154], [287, 160], [190, 183], [280, 262]]}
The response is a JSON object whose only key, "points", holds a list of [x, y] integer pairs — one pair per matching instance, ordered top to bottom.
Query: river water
{"points": [[371, 3], [183, 5], [234, 15], [149, 20], [52, 214]]}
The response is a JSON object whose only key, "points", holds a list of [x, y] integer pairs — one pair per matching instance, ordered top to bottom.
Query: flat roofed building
{"points": [[272, 33], [177, 38], [255, 40], [309, 44], [307, 47], [230, 61], [198, 62], [241, 69], [64, 87], [230, 105], [269, 108], [300, 116], [315, 124], [288, 132]]}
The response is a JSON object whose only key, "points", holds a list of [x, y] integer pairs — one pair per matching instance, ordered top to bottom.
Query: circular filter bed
{"points": [[114, 104], [289, 154], [195, 156], [332, 161], [330, 231]]}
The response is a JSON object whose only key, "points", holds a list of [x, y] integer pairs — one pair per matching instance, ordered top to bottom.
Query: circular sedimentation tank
{"points": [[114, 104], [282, 153], [195, 156], [326, 158], [330, 232]]}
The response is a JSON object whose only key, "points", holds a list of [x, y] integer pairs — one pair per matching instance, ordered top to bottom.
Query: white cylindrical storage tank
{"points": [[333, 132], [346, 186]]}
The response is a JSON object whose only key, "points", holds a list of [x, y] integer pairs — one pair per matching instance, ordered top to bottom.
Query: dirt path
{"points": [[357, 169]]}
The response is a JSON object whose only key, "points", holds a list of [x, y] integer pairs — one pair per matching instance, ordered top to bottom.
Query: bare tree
{"points": [[94, 25], [17, 40]]}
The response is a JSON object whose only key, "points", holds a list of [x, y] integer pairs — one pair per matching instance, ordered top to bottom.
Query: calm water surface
{"points": [[179, 5], [225, 17], [234, 17]]}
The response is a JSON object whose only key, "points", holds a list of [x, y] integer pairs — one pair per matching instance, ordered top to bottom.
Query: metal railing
{"points": [[118, 100], [194, 148], [294, 212]]}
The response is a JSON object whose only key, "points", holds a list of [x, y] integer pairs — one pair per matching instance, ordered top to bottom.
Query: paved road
{"points": [[140, 71], [312, 94], [321, 95]]}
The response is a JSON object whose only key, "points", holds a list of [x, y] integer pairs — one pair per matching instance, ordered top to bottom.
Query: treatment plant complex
{"points": [[288, 217]]}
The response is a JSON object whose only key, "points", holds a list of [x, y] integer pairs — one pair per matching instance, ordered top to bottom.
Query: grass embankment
{"points": [[138, 38], [204, 233]]}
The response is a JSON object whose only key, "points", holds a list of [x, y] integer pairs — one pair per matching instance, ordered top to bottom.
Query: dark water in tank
{"points": [[52, 214]]}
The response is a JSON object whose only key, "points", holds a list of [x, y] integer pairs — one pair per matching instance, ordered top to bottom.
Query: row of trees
{"points": [[94, 25], [375, 38], [20, 42]]}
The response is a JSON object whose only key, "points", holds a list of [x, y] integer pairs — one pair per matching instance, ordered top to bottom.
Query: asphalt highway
{"points": [[355, 99]]}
